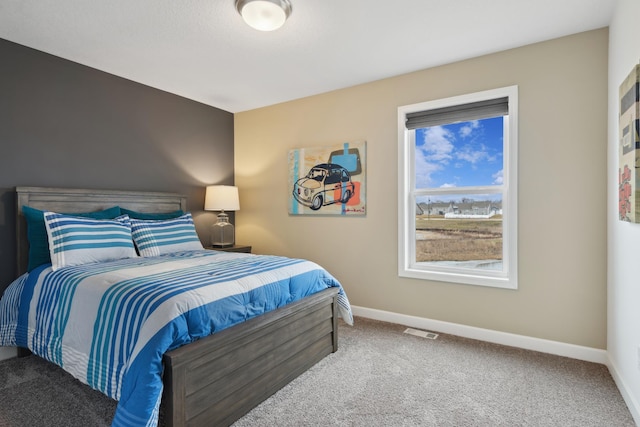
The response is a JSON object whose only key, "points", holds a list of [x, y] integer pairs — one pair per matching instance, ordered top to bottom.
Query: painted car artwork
{"points": [[328, 180], [325, 184]]}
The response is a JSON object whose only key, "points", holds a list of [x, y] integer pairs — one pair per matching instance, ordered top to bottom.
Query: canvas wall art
{"points": [[629, 148], [328, 180]]}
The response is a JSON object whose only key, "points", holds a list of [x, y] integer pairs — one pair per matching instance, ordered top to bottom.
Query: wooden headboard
{"points": [[72, 200]]}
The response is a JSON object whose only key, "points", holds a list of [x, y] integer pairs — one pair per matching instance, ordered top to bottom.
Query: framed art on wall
{"points": [[629, 148], [328, 180]]}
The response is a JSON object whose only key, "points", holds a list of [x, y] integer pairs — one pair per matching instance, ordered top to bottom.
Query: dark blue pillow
{"points": [[151, 216], [37, 232]]}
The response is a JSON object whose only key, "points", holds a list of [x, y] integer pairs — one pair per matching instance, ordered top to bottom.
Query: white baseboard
{"points": [[573, 351], [8, 353], [631, 402]]}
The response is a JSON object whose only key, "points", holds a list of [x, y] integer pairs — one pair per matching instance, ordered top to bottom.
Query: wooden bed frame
{"points": [[218, 379]]}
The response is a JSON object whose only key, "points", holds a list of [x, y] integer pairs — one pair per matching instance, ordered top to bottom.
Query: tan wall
{"points": [[562, 190]]}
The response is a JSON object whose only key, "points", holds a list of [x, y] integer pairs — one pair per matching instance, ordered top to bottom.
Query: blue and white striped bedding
{"points": [[109, 324]]}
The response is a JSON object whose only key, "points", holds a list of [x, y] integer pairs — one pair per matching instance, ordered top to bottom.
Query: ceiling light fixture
{"points": [[264, 15]]}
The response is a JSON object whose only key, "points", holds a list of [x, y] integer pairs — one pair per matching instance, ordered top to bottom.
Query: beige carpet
{"points": [[378, 377], [382, 377]]}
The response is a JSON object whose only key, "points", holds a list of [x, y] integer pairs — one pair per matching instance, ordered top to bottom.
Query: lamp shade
{"points": [[264, 15], [221, 198]]}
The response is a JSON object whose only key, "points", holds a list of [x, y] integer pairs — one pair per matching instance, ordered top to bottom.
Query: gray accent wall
{"points": [[63, 124]]}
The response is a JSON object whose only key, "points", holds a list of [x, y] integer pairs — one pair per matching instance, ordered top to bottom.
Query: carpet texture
{"points": [[378, 377], [382, 377], [37, 393]]}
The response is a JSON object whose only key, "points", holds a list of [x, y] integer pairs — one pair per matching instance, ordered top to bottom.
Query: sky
{"points": [[460, 154]]}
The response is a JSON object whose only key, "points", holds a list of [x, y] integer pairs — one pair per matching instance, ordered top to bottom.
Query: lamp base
{"points": [[222, 232]]}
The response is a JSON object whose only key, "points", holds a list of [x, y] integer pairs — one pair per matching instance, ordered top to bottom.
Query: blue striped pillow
{"points": [[162, 237], [76, 241], [39, 252]]}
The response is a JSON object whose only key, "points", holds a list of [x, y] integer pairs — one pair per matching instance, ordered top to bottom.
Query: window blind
{"points": [[458, 113]]}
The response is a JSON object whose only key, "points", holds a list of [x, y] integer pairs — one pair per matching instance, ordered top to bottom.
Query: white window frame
{"points": [[407, 267]]}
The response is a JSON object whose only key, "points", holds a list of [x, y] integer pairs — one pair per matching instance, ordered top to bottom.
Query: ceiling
{"points": [[202, 50]]}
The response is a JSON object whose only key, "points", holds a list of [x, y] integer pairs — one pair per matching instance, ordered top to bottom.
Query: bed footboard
{"points": [[218, 379]]}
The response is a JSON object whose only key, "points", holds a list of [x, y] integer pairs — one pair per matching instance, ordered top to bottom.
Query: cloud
{"points": [[466, 130], [438, 144], [433, 154], [474, 154], [424, 169], [498, 177]]}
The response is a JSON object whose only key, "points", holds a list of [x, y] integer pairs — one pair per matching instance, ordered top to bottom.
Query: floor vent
{"points": [[419, 333]]}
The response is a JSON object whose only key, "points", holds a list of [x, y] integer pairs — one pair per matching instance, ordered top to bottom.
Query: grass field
{"points": [[439, 239]]}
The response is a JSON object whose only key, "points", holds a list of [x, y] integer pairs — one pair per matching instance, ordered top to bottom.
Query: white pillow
{"points": [[165, 236], [77, 240]]}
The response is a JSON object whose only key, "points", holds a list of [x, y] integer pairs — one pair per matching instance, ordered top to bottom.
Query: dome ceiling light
{"points": [[264, 15]]}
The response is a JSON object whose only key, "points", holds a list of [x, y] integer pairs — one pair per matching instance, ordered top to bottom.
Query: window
{"points": [[458, 189]]}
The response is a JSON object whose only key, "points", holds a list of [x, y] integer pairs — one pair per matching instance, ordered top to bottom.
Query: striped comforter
{"points": [[109, 324]]}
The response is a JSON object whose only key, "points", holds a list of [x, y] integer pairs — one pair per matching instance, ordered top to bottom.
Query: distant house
{"points": [[465, 207]]}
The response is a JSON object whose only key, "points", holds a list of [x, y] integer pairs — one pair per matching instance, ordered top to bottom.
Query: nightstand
{"points": [[234, 248]]}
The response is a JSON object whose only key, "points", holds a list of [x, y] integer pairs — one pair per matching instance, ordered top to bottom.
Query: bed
{"points": [[216, 379]]}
